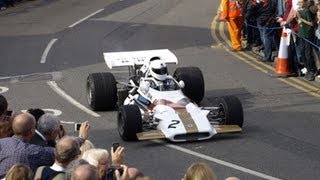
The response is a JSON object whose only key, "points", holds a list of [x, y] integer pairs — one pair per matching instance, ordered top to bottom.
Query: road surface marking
{"points": [[85, 18], [46, 51], [3, 89], [63, 94], [55, 112], [67, 122], [218, 161]]}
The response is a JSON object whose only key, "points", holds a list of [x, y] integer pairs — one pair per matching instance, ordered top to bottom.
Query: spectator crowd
{"points": [[261, 23], [35, 145]]}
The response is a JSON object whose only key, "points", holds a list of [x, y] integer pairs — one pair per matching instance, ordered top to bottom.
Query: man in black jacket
{"points": [[265, 11], [48, 129]]}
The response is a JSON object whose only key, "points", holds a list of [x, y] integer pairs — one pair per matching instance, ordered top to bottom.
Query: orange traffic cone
{"points": [[282, 62]]}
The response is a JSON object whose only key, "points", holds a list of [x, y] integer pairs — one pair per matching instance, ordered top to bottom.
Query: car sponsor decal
{"points": [[166, 103]]}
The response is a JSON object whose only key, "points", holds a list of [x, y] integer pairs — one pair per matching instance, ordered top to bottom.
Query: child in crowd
{"points": [[306, 33]]}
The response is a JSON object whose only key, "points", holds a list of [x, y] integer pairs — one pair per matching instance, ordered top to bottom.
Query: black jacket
{"points": [[264, 11], [37, 140]]}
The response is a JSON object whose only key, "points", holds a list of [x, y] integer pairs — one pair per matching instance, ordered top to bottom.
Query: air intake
{"points": [[192, 136]]}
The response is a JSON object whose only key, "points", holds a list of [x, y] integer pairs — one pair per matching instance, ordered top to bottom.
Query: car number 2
{"points": [[173, 124]]}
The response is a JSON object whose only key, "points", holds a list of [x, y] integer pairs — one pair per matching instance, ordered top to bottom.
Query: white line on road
{"points": [[85, 18], [46, 51], [3, 89], [59, 91], [67, 122], [218, 161]]}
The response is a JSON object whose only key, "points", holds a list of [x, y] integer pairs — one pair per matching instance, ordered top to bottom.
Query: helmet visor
{"points": [[161, 71]]}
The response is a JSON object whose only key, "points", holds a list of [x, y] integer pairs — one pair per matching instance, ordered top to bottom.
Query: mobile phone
{"points": [[77, 126], [115, 146], [110, 174]]}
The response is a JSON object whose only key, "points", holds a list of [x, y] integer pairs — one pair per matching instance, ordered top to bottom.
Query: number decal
{"points": [[174, 122]]}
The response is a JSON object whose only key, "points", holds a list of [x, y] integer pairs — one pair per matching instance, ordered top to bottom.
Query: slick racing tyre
{"points": [[193, 80], [101, 91], [230, 111], [129, 122]]}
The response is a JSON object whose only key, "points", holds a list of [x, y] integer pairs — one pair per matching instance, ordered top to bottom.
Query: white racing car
{"points": [[154, 105]]}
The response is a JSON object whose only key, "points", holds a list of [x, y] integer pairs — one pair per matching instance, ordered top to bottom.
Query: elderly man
{"points": [[47, 131], [16, 149], [66, 150], [72, 166], [85, 172]]}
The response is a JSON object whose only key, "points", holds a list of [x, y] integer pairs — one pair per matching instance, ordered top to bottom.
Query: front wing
{"points": [[158, 134]]}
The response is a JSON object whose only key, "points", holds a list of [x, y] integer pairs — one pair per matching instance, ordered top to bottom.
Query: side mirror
{"points": [[181, 84], [144, 86]]}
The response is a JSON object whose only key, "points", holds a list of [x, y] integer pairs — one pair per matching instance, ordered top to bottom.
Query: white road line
{"points": [[85, 18], [46, 51], [3, 89], [59, 91], [55, 112], [67, 122], [218, 161]]}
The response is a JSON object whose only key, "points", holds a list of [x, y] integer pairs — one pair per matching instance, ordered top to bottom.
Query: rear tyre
{"points": [[194, 83], [101, 91], [230, 110], [129, 122]]}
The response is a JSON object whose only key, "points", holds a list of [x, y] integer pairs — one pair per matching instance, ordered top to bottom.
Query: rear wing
{"points": [[132, 58]]}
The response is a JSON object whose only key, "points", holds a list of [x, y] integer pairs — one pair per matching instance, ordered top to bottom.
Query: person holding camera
{"points": [[48, 130], [99, 158]]}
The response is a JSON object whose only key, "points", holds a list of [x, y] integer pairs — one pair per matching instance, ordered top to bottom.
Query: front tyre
{"points": [[194, 83], [101, 91], [230, 110], [129, 122]]}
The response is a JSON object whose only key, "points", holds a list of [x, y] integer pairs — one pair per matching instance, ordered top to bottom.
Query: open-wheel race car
{"points": [[155, 105]]}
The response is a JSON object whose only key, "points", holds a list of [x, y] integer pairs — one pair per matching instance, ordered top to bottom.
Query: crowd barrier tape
{"points": [[312, 43]]}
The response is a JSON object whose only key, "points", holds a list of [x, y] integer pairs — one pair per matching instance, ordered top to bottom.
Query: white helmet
{"points": [[158, 69]]}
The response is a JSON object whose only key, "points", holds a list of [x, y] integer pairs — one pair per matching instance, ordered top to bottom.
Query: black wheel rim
{"points": [[222, 114]]}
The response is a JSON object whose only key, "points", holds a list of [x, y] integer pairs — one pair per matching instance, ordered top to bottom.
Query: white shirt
{"points": [[295, 5], [41, 135], [56, 167]]}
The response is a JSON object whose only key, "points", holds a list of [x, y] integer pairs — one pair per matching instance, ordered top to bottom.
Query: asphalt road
{"points": [[280, 138]]}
